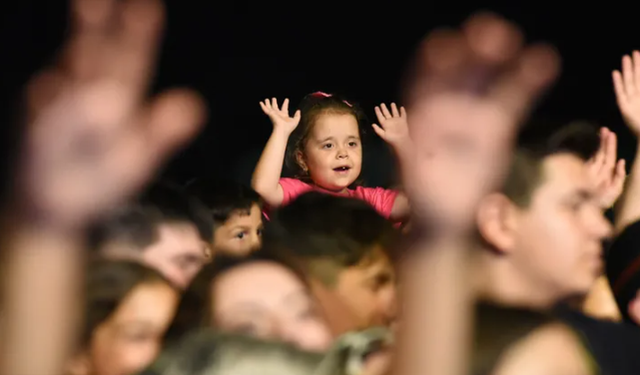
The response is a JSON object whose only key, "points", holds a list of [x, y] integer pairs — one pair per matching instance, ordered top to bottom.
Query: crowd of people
{"points": [[494, 256]]}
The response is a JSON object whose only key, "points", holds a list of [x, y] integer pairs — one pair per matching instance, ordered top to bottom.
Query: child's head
{"points": [[327, 144], [236, 211], [344, 244]]}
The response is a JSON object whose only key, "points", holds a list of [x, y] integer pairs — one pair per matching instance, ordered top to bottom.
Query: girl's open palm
{"points": [[627, 88], [280, 116], [393, 126]]}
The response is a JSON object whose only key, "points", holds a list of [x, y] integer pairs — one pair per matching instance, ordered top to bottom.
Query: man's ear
{"points": [[497, 222]]}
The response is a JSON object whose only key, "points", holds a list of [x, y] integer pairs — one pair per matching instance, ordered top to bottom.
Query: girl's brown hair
{"points": [[312, 107]]}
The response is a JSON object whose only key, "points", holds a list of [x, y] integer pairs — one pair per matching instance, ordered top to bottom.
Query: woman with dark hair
{"points": [[261, 295], [128, 308]]}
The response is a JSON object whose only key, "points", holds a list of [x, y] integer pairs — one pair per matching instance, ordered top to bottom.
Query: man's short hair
{"points": [[526, 174], [136, 224], [329, 233]]}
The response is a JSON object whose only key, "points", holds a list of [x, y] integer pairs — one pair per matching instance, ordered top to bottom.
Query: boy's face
{"points": [[241, 234], [369, 290]]}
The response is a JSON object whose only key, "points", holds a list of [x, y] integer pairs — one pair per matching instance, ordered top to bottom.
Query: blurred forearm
{"points": [[42, 278]]}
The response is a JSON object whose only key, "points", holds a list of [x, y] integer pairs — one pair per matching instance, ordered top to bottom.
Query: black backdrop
{"points": [[238, 53]]}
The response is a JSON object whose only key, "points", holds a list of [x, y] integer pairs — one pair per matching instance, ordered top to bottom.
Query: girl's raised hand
{"points": [[280, 116], [393, 126]]}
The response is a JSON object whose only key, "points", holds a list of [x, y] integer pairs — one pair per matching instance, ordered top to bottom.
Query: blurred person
{"points": [[470, 91], [93, 138], [325, 151], [236, 212], [165, 228], [347, 246], [259, 295], [128, 307], [207, 352]]}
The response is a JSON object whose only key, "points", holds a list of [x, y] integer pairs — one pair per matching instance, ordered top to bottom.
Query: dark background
{"points": [[237, 54]]}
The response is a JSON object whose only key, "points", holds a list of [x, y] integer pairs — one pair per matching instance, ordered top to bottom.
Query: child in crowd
{"points": [[326, 152], [236, 211], [347, 246]]}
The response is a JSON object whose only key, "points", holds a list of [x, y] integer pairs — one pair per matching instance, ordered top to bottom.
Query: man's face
{"points": [[558, 237], [179, 253], [369, 291]]}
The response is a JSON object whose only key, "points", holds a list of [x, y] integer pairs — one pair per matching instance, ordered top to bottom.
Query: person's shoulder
{"points": [[553, 348]]}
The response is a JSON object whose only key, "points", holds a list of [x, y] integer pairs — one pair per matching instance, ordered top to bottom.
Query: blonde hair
{"points": [[207, 352]]}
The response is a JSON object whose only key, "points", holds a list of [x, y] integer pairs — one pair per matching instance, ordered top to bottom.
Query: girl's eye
{"points": [[353, 144], [327, 145], [240, 235]]}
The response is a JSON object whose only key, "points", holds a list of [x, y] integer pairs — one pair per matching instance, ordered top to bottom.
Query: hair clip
{"points": [[321, 94]]}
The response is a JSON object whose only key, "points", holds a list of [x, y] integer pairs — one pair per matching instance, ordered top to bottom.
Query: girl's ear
{"points": [[300, 160]]}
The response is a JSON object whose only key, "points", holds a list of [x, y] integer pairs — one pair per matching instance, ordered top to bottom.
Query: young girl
{"points": [[326, 152]]}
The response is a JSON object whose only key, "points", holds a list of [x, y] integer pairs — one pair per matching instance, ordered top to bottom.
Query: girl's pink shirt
{"points": [[380, 199]]}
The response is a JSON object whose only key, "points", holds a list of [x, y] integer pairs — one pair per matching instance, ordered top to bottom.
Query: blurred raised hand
{"points": [[474, 88], [93, 138]]}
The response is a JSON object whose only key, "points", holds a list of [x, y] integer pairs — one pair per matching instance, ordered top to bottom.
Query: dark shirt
{"points": [[497, 328], [614, 346]]}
